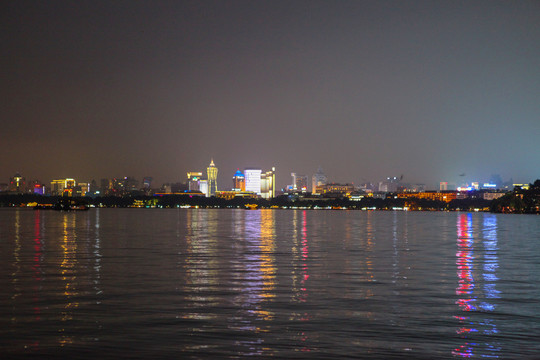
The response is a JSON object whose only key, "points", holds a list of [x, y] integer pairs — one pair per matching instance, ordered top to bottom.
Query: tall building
{"points": [[212, 172], [318, 179], [193, 180], [253, 180], [239, 181], [299, 182], [147, 183], [17, 184], [129, 184], [268, 184], [389, 185], [203, 186], [58, 187], [105, 187], [39, 189], [81, 189]]}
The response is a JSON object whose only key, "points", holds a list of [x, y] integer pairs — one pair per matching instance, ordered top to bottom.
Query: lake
{"points": [[287, 284]]}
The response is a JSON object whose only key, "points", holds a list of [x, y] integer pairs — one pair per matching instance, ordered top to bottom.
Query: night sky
{"points": [[365, 89]]}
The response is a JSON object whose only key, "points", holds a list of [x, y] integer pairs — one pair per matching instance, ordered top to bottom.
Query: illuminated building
{"points": [[212, 172], [193, 180], [253, 180], [317, 180], [239, 181], [268, 181], [147, 182], [299, 182], [17, 184], [129, 184], [147, 185], [389, 185], [61, 186], [105, 186], [203, 186], [443, 186], [489, 186], [522, 186], [117, 187], [39, 189], [81, 189], [336, 190], [229, 195], [487, 195], [445, 196]]}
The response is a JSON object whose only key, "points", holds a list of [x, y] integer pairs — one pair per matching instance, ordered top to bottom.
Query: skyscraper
{"points": [[212, 172], [318, 179], [193, 180], [253, 180], [239, 181], [300, 182], [147, 183], [17, 184], [268, 184], [59, 186], [203, 186]]}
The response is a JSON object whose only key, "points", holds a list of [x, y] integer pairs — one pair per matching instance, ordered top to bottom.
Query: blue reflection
{"points": [[491, 262], [468, 264]]}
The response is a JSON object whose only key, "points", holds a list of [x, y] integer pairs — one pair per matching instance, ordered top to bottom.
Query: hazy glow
{"points": [[365, 89]]}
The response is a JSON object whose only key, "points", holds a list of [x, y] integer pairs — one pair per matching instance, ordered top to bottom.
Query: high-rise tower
{"points": [[212, 172], [318, 179], [253, 180], [239, 181], [17, 184], [268, 184]]}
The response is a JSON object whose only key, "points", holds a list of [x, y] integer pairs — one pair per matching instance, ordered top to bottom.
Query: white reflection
{"points": [[97, 258], [16, 259]]}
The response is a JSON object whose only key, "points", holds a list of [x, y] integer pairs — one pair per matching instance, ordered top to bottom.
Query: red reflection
{"points": [[464, 262], [465, 288], [463, 351]]}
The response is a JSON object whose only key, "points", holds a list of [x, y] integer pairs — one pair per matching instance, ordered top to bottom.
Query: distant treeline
{"points": [[171, 201], [519, 201]]}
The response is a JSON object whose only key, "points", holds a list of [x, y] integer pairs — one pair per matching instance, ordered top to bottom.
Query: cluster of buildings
{"points": [[252, 182], [256, 183]]}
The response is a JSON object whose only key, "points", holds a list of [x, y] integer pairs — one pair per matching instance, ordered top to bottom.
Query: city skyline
{"points": [[365, 89], [259, 182]]}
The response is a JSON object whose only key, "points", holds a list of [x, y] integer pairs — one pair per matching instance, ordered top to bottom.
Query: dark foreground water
{"points": [[163, 284]]}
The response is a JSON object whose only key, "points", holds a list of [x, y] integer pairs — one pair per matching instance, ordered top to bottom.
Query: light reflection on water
{"points": [[471, 265], [201, 283]]}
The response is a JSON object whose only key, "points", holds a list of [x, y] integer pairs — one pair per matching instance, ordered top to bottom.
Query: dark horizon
{"points": [[364, 89]]}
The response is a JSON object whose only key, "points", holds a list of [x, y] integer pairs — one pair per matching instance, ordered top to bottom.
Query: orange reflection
{"points": [[267, 246], [201, 265], [68, 272]]}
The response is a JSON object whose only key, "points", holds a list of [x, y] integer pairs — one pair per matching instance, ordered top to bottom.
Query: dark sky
{"points": [[365, 89]]}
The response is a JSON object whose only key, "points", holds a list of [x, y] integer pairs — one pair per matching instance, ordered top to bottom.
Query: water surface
{"points": [[205, 283]]}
